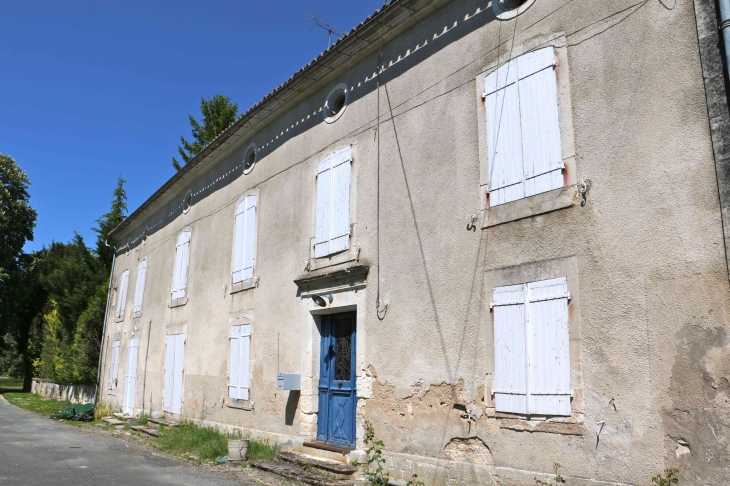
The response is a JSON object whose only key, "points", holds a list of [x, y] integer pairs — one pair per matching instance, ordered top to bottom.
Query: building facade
{"points": [[490, 231]]}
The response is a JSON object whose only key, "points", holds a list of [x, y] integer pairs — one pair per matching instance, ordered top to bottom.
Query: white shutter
{"points": [[504, 139], [541, 151], [324, 188], [340, 207], [249, 246], [185, 262], [177, 270], [237, 272], [139, 286], [122, 295], [549, 348], [245, 353], [113, 366], [234, 366], [510, 366], [179, 370], [169, 371], [130, 377]]}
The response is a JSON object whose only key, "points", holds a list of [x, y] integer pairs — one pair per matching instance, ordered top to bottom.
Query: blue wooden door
{"points": [[337, 400]]}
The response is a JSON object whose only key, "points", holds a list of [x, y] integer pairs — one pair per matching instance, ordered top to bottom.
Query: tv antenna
{"points": [[327, 27]]}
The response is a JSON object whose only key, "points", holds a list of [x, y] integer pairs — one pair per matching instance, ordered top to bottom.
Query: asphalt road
{"points": [[38, 451]]}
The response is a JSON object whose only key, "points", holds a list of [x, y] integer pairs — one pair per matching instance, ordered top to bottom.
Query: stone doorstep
{"points": [[156, 422], [119, 424], [146, 430], [321, 453], [329, 465], [296, 473]]}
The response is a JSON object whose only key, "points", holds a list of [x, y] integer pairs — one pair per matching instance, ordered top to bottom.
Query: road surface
{"points": [[38, 451]]}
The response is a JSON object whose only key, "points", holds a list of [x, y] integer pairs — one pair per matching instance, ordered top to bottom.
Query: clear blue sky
{"points": [[89, 89]]}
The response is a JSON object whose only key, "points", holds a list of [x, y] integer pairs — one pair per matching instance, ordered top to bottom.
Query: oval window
{"points": [[509, 9], [336, 103], [249, 158]]}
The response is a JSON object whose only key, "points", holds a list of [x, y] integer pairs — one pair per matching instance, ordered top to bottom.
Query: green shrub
{"points": [[262, 450]]}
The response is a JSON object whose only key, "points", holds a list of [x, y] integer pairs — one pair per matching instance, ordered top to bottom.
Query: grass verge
{"points": [[8, 384], [36, 403], [206, 443]]}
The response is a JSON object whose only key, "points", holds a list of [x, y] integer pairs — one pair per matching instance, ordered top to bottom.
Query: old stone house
{"points": [[494, 231]]}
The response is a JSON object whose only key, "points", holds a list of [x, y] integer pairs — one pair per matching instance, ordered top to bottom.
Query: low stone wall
{"points": [[80, 393]]}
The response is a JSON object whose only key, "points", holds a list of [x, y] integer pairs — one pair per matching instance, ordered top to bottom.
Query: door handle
{"points": [[339, 384]]}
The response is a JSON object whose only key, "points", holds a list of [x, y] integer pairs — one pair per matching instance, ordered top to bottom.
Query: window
{"points": [[334, 106], [523, 132], [249, 159], [332, 233], [244, 245], [180, 272], [139, 286], [122, 295], [531, 348], [113, 366], [238, 375]]}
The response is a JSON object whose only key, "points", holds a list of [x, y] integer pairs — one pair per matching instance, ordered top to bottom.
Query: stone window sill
{"points": [[546, 202], [244, 285], [178, 302], [136, 315], [118, 319], [240, 404], [572, 425]]}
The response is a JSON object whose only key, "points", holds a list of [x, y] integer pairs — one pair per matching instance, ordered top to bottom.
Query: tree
{"points": [[218, 113], [108, 222]]}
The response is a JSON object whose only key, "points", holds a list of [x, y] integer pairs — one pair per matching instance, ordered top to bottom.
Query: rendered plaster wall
{"points": [[648, 244]]}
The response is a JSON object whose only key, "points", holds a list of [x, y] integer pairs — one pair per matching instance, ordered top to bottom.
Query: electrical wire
{"points": [[374, 123]]}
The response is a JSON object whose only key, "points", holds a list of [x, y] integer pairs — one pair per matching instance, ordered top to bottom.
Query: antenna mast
{"points": [[327, 27]]}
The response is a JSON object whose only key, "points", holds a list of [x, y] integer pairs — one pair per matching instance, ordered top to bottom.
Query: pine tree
{"points": [[218, 113], [108, 222]]}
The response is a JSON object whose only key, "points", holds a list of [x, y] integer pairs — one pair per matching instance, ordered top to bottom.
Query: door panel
{"points": [[130, 377], [177, 385], [337, 398]]}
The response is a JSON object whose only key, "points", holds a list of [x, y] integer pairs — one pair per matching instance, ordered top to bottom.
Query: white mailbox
{"points": [[288, 381]]}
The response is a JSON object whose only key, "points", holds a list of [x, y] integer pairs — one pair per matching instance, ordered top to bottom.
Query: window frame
{"points": [[562, 197], [330, 254], [524, 273], [253, 281], [181, 300], [120, 305], [138, 312]]}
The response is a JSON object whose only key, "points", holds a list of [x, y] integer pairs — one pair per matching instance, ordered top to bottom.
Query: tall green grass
{"points": [[10, 384], [206, 443], [262, 450]]}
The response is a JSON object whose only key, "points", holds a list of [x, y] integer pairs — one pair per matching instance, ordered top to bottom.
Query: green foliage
{"points": [[218, 113], [17, 217], [109, 221], [88, 337], [8, 383], [36, 403], [206, 443], [262, 450], [375, 473], [558, 478], [667, 479], [414, 481]]}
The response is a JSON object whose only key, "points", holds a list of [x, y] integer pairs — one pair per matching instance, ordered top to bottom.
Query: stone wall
{"points": [[80, 393]]}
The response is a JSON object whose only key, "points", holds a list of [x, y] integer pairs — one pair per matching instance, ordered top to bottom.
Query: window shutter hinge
{"points": [[491, 305]]}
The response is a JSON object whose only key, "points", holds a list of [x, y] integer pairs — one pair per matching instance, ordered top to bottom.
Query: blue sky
{"points": [[89, 90]]}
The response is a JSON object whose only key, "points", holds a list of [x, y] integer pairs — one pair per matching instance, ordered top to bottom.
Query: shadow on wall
{"points": [[449, 24], [291, 407]]}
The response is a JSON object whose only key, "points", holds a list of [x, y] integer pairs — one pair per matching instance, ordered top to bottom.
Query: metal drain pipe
{"points": [[725, 28]]}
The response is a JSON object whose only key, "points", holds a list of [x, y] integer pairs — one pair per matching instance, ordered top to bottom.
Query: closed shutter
{"points": [[523, 130], [504, 138], [541, 151], [324, 196], [340, 217], [249, 246], [176, 272], [237, 272], [180, 273], [123, 285], [139, 286], [549, 348], [240, 355], [510, 365], [113, 366], [233, 366], [169, 371], [178, 375], [244, 376], [130, 377]]}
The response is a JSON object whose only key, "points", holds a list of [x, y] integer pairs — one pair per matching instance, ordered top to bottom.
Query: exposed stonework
{"points": [[472, 449]]}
